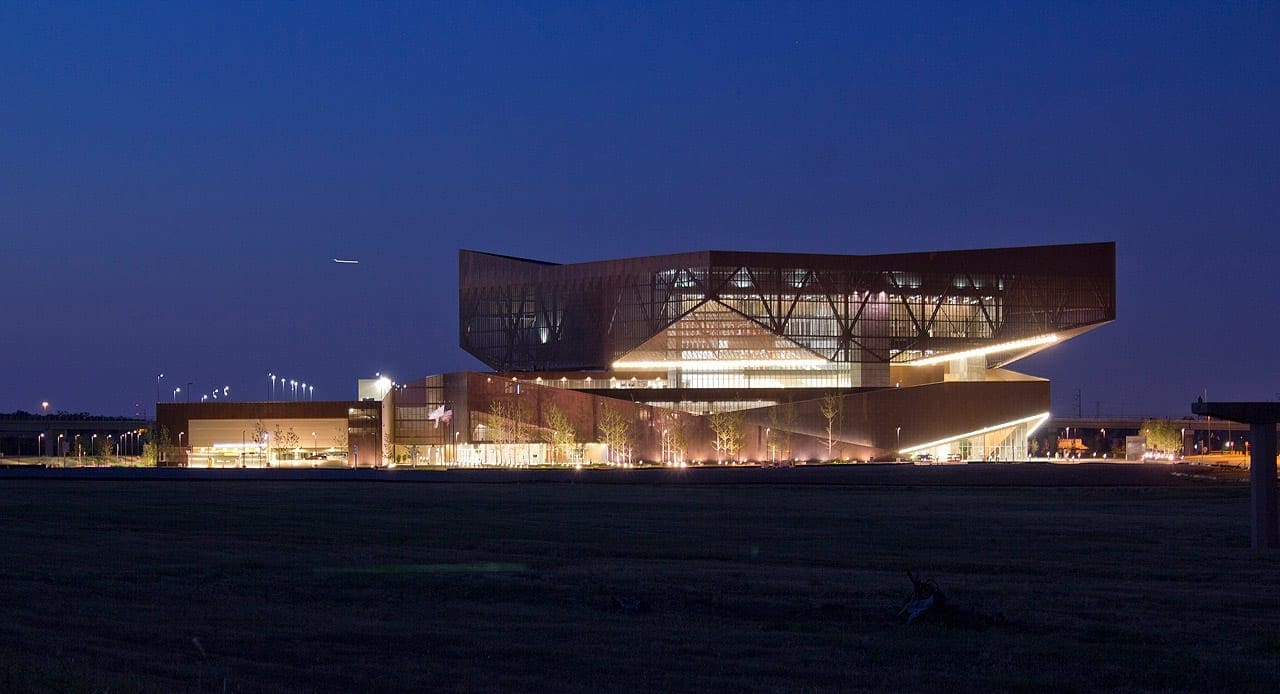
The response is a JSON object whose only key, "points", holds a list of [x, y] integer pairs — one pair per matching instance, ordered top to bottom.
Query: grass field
{"points": [[362, 586]]}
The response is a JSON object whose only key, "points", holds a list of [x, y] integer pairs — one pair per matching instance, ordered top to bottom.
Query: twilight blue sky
{"points": [[177, 176]]}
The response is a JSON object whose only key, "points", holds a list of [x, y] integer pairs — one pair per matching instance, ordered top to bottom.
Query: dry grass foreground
{"points": [[362, 586]]}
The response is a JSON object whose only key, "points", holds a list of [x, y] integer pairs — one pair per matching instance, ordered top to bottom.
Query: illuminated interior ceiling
{"points": [[713, 337], [999, 348], [1034, 421]]}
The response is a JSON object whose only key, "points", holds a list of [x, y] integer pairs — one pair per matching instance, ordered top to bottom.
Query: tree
{"points": [[833, 411], [506, 421], [782, 422], [727, 427], [559, 433], [615, 434], [677, 434], [1162, 435], [291, 440], [277, 442], [104, 449], [388, 449], [156, 450], [150, 452]]}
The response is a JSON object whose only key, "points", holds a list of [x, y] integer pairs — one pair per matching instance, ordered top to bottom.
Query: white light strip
{"points": [[1002, 347], [717, 365], [985, 430]]}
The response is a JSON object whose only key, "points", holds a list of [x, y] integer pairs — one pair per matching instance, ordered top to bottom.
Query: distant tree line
{"points": [[76, 416]]}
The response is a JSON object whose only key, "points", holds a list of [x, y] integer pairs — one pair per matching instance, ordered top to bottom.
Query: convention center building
{"points": [[728, 356]]}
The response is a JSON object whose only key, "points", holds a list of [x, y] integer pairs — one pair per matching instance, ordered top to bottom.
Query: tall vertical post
{"points": [[1261, 418], [1262, 480]]}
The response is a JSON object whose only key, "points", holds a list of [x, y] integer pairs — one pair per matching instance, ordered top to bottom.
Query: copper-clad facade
{"points": [[907, 350]]}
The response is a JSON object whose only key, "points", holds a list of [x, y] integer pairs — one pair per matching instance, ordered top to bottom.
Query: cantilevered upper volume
{"points": [[755, 311]]}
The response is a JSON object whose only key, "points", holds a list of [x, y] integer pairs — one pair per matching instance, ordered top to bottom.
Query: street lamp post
{"points": [[160, 376], [175, 393], [272, 396], [44, 404], [898, 433], [40, 446], [93, 447], [58, 453]]}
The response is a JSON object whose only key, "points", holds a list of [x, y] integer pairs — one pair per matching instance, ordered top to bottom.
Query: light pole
{"points": [[158, 386], [293, 389], [311, 390], [175, 393], [272, 396], [44, 405], [898, 430], [75, 441], [40, 446], [93, 446], [768, 450], [58, 453]]}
